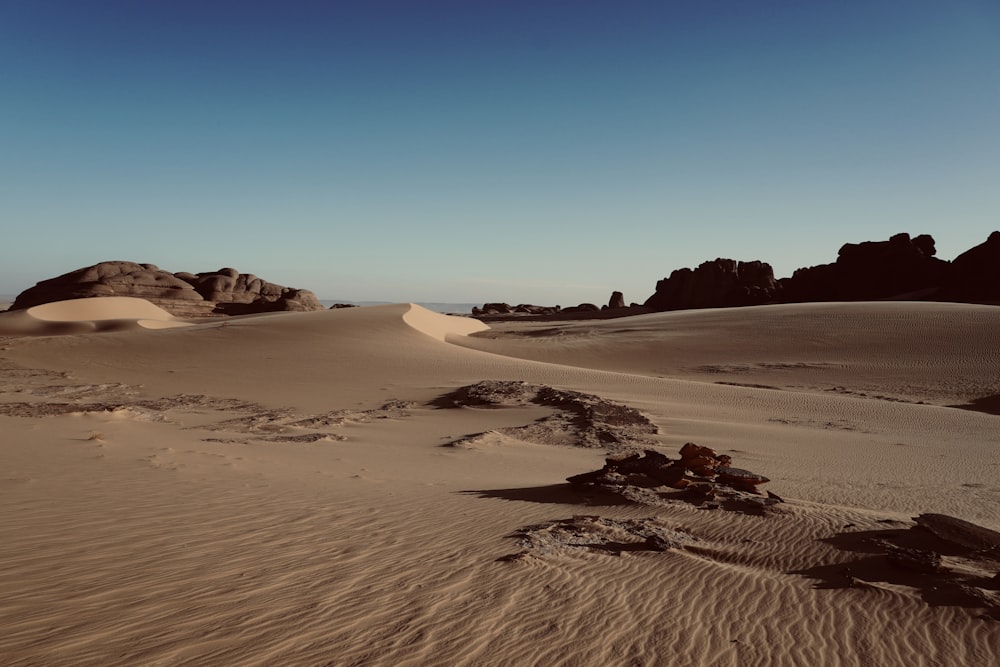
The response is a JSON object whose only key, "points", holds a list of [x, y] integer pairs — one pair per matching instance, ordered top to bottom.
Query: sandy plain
{"points": [[300, 489]]}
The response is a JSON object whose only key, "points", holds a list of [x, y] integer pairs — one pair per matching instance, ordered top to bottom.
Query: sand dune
{"points": [[113, 313], [280, 489]]}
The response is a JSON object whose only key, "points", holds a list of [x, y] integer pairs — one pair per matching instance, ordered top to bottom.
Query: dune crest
{"points": [[111, 313], [441, 326]]}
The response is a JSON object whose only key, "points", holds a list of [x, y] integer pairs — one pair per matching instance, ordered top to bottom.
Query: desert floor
{"points": [[302, 489]]}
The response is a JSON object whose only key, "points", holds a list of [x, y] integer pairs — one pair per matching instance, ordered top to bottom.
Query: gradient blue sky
{"points": [[469, 151]]}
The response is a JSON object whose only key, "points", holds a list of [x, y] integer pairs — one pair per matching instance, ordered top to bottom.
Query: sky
{"points": [[535, 151]]}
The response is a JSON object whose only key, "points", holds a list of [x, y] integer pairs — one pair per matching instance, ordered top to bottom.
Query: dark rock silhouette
{"points": [[901, 268], [975, 274], [716, 284], [225, 292], [617, 300], [494, 309], [584, 420]]}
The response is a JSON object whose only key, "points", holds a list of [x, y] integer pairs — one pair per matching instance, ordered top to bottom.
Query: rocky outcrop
{"points": [[901, 267], [975, 274], [717, 284], [223, 292], [617, 300], [499, 308], [582, 308], [582, 420], [700, 476], [961, 532]]}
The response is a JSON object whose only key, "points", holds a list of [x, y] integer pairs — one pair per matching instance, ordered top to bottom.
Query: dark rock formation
{"points": [[901, 267], [975, 274], [717, 284], [226, 292], [617, 300], [582, 308], [495, 309], [582, 420], [700, 476], [961, 532], [597, 534]]}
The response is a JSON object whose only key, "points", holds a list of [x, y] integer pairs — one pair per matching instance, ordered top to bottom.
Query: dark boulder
{"points": [[617, 300]]}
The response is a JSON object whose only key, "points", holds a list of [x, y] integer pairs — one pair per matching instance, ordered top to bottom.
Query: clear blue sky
{"points": [[478, 150]]}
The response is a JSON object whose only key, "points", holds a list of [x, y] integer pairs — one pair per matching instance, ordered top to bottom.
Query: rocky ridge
{"points": [[900, 268], [222, 292]]}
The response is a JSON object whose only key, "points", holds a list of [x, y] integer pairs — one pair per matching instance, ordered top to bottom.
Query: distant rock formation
{"points": [[898, 268], [902, 268], [975, 274], [716, 284], [223, 292], [617, 300], [582, 308], [489, 309]]}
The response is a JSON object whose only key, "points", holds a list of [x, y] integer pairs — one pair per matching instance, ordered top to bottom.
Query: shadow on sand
{"points": [[988, 404], [559, 494], [945, 588]]}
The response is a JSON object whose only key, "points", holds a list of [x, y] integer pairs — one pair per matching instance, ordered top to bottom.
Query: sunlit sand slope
{"points": [[301, 488]]}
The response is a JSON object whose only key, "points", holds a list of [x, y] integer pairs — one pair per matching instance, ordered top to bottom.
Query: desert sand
{"points": [[301, 489]]}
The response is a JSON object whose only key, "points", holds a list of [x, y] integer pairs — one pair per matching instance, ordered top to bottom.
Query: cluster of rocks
{"points": [[901, 268], [222, 292], [500, 308], [506, 311], [581, 420], [700, 476], [961, 532], [599, 535]]}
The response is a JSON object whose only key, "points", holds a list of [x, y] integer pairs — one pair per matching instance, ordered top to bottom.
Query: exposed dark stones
{"points": [[716, 284], [225, 292], [617, 300], [496, 309], [582, 420], [702, 477], [739, 478], [597, 534]]}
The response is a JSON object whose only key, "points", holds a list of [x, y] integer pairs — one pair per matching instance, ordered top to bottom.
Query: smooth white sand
{"points": [[186, 531]]}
